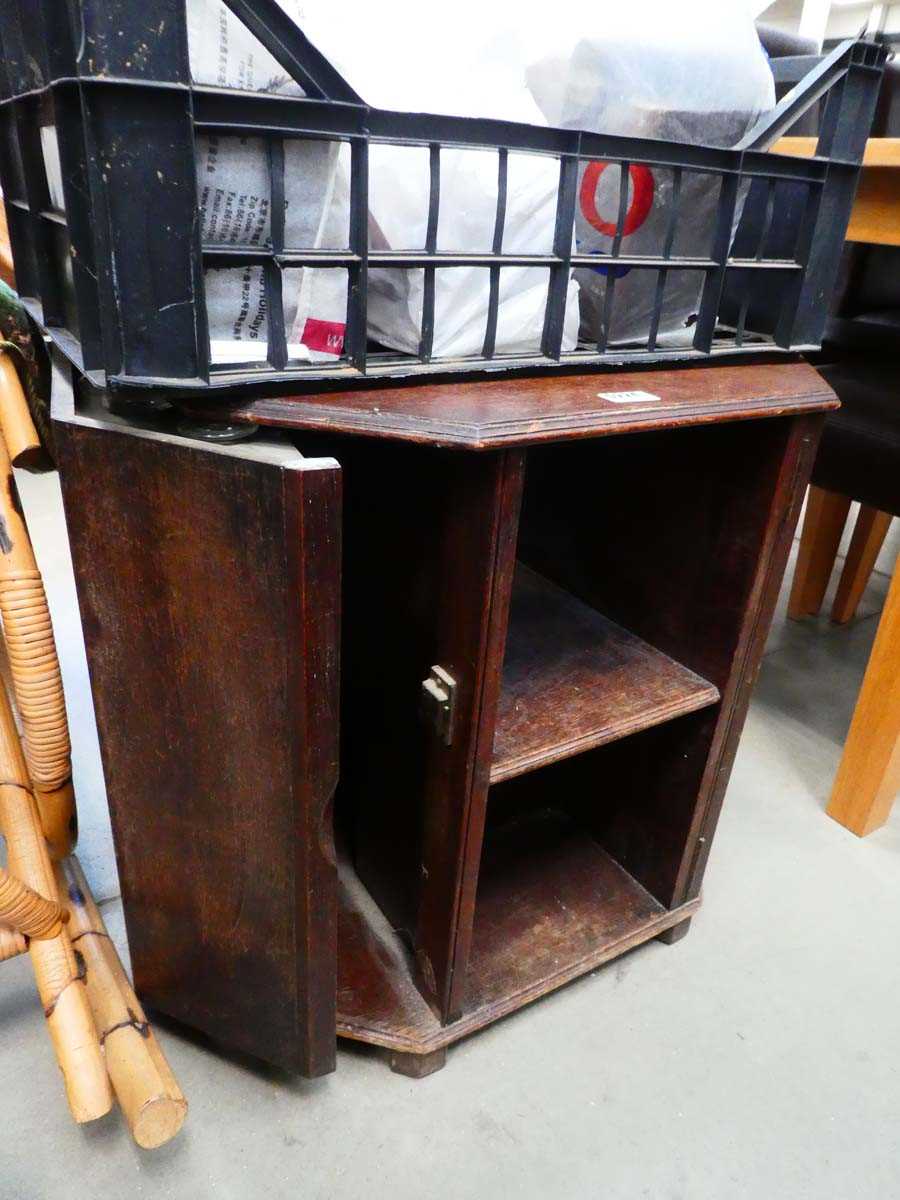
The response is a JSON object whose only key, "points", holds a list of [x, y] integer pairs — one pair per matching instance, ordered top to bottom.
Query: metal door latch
{"points": [[439, 702]]}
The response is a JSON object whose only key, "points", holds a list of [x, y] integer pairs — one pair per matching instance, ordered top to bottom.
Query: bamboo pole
{"points": [[16, 425], [37, 682], [26, 912], [11, 943], [56, 967], [145, 1087]]}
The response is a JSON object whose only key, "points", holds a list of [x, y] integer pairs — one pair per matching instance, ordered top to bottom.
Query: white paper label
{"points": [[628, 397]]}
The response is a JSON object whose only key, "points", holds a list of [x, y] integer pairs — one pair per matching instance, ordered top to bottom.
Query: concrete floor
{"points": [[758, 1058]]}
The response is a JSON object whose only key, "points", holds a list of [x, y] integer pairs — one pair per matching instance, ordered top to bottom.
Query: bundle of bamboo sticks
{"points": [[100, 1034]]}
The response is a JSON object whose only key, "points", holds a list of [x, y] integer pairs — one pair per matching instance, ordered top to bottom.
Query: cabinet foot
{"points": [[676, 933], [417, 1066]]}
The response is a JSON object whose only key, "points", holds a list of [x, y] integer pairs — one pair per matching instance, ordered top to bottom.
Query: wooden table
{"points": [[876, 210]]}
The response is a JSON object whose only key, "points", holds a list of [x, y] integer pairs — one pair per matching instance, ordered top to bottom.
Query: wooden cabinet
{"points": [[555, 597]]}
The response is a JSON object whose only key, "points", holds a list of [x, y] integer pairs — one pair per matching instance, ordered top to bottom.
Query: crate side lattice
{"points": [[100, 156]]}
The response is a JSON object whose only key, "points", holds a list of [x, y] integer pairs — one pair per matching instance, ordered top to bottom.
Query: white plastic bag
{"points": [[224, 53], [410, 57], [693, 72], [234, 197], [398, 203], [235, 210]]}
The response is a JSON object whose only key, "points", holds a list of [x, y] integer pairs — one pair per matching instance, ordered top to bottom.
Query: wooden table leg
{"points": [[826, 514], [868, 536], [869, 775]]}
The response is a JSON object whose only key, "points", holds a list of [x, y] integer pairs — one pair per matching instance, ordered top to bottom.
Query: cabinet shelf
{"points": [[573, 680], [552, 905]]}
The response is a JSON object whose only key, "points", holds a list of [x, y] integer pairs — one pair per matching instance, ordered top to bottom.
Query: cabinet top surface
{"points": [[490, 413]]}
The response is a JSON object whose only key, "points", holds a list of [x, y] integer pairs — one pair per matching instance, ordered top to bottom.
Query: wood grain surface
{"points": [[485, 413], [208, 581], [573, 680]]}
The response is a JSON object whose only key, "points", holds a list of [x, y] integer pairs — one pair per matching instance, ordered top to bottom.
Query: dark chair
{"points": [[778, 44]]}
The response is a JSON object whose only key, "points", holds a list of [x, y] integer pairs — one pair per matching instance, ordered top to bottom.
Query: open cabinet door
{"points": [[208, 581]]}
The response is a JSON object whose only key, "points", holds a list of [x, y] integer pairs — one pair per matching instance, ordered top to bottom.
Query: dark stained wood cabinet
{"points": [[555, 597]]}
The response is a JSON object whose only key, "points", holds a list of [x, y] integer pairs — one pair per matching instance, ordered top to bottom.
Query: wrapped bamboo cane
{"points": [[16, 425], [37, 682], [25, 911], [11, 943], [57, 971], [145, 1087]]}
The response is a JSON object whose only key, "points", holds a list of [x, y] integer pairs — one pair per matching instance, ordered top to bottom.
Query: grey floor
{"points": [[758, 1058]]}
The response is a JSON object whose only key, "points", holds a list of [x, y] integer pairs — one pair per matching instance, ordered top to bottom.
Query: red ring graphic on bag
{"points": [[642, 188]]}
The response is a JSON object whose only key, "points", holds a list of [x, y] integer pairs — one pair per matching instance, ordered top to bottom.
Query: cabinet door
{"points": [[208, 580]]}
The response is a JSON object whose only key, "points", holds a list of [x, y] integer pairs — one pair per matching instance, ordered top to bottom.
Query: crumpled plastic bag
{"points": [[224, 53], [409, 57], [384, 60], [694, 72], [234, 196]]}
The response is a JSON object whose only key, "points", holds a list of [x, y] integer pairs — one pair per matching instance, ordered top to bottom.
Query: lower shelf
{"points": [[550, 900], [552, 905]]}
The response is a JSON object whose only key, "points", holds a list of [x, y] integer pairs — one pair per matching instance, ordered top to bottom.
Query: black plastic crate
{"points": [[114, 268]]}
